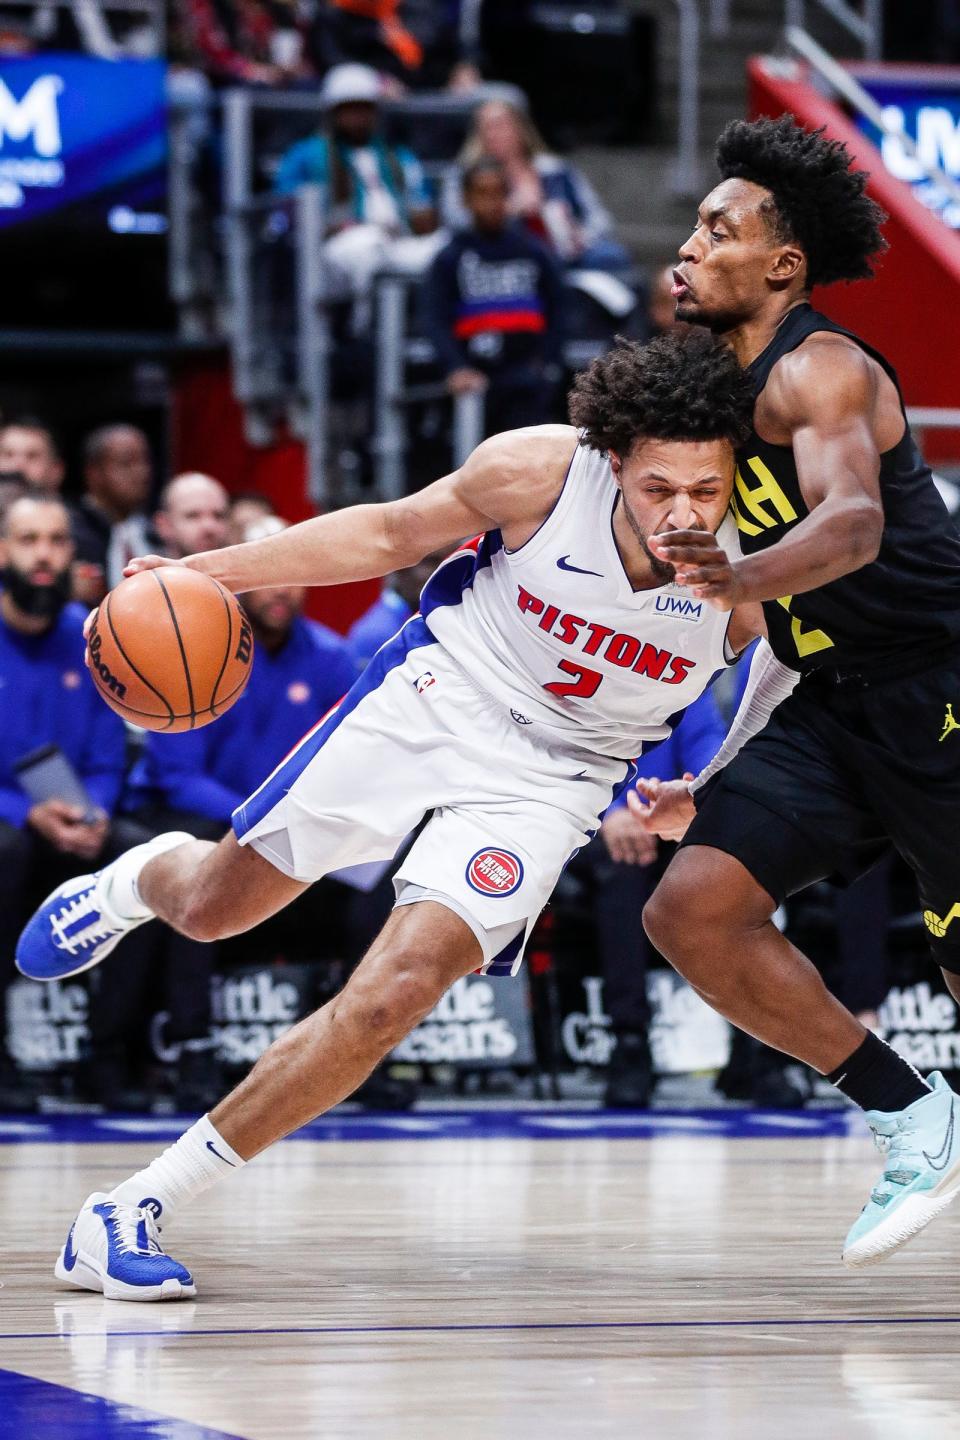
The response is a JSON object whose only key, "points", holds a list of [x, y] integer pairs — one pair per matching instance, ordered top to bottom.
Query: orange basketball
{"points": [[170, 649]]}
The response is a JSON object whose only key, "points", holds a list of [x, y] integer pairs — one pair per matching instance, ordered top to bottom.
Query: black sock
{"points": [[875, 1077]]}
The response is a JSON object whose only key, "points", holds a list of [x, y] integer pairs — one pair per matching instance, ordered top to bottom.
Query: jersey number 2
{"points": [[586, 683]]}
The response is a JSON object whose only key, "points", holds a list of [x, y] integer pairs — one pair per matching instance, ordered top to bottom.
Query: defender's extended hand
{"points": [[700, 563], [669, 808]]}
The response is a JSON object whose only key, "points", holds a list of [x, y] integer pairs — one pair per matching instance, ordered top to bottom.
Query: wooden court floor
{"points": [[509, 1286]]}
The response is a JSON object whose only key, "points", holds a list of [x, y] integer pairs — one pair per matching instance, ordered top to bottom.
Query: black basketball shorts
{"points": [[840, 772]]}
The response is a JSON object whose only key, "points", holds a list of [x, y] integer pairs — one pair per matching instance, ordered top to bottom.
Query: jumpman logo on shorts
{"points": [[949, 724]]}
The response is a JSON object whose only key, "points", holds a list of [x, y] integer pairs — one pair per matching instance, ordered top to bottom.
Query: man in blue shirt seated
{"points": [[493, 304], [399, 599], [47, 698]]}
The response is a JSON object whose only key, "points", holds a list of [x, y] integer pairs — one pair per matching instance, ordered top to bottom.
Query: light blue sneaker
{"points": [[71, 931], [921, 1177], [115, 1250]]}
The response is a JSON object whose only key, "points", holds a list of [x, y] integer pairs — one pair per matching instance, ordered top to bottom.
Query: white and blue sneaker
{"points": [[77, 926], [71, 931], [921, 1176], [115, 1250]]}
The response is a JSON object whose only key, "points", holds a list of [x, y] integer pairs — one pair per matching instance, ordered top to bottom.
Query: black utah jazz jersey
{"points": [[888, 616]]}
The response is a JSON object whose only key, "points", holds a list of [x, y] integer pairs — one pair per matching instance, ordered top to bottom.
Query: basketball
{"points": [[170, 649]]}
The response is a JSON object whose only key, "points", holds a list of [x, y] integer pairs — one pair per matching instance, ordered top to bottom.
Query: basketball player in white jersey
{"points": [[547, 655]]}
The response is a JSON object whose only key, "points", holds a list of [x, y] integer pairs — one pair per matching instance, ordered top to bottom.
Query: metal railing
{"points": [[89, 16], [865, 24], [842, 83], [686, 179], [283, 369], [393, 395], [309, 409]]}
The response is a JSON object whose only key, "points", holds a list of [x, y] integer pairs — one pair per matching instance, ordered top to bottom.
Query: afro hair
{"points": [[819, 203], [686, 385]]}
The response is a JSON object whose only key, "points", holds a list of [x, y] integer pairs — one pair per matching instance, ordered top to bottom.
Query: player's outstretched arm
{"points": [[822, 400], [511, 481]]}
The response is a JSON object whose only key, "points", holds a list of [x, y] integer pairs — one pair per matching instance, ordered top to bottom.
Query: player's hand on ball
{"points": [[149, 562], [701, 564], [669, 806], [628, 842]]}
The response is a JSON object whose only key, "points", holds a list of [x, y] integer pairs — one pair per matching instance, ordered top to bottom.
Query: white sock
{"points": [[119, 879], [196, 1161]]}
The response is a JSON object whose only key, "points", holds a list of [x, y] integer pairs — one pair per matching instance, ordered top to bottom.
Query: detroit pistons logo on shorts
{"points": [[495, 872]]}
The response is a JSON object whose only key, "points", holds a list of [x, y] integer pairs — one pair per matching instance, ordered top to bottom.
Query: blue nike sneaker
{"points": [[71, 931], [921, 1176], [115, 1250]]}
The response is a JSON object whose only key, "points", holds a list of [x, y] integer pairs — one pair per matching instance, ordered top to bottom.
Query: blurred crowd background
{"points": [[396, 226]]}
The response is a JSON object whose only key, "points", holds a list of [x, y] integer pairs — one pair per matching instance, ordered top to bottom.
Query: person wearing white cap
{"points": [[380, 211]]}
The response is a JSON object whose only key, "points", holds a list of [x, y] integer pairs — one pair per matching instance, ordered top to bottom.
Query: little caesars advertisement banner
{"points": [[479, 1024], [685, 1034]]}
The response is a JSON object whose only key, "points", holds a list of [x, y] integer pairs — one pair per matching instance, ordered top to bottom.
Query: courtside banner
{"points": [[86, 135], [480, 1024]]}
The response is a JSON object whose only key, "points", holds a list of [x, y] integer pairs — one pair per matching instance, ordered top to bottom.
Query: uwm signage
{"points": [[76, 129]]}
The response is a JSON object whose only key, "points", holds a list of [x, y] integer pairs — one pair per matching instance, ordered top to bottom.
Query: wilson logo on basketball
{"points": [[244, 644], [107, 677], [495, 872]]}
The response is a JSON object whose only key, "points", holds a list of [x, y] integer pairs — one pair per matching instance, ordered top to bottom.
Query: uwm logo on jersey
{"points": [[678, 607], [591, 638]]}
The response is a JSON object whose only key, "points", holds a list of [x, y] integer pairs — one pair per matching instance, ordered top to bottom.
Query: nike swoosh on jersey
{"points": [[564, 564], [214, 1151], [939, 1161]]}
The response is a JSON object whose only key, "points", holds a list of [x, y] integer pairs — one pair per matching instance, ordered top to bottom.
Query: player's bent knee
{"points": [[662, 922], [400, 999]]}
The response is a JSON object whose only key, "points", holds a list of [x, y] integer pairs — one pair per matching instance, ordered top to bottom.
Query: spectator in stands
{"points": [[254, 42], [415, 42], [550, 197], [381, 211], [493, 302], [28, 447], [246, 509], [193, 515], [110, 524], [399, 599], [48, 700]]}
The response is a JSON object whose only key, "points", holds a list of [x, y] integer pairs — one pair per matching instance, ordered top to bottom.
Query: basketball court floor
{"points": [[511, 1276]]}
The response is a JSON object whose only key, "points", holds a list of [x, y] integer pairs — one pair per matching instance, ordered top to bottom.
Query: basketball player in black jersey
{"points": [[850, 549]]}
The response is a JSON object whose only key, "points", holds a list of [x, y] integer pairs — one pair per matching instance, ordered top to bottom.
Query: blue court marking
{"points": [[466, 1125], [492, 1327], [42, 1411]]}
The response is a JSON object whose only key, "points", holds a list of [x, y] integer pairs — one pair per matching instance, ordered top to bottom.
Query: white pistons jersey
{"points": [[556, 633]]}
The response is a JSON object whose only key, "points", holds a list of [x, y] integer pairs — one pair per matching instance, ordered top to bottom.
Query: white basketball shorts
{"points": [[415, 736]]}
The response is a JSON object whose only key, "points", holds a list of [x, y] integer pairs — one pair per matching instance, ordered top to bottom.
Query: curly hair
{"points": [[817, 201], [686, 385]]}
